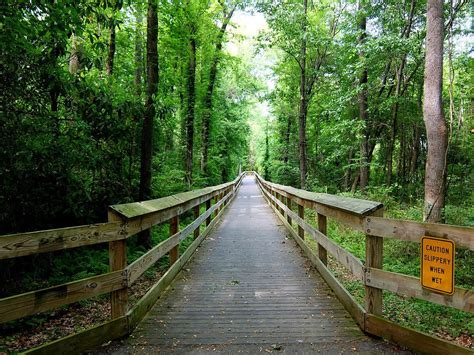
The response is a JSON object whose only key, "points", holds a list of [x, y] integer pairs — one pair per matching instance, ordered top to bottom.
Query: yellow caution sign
{"points": [[437, 264]]}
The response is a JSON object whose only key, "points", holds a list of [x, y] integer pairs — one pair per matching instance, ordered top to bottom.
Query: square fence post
{"points": [[288, 204], [208, 206], [301, 215], [196, 216], [322, 227], [174, 228], [374, 259], [118, 261]]}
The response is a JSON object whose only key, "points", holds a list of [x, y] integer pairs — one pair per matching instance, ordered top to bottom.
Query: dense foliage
{"points": [[393, 55], [71, 120]]}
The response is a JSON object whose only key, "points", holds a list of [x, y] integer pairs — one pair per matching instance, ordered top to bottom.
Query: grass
{"points": [[404, 257]]}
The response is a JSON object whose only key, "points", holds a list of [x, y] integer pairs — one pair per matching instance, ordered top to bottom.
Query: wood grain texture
{"points": [[347, 204], [289, 206], [143, 215], [196, 215], [301, 216], [174, 228], [323, 228], [413, 231], [15, 245], [343, 256], [374, 259], [118, 262], [247, 285], [410, 286], [29, 303], [349, 303], [142, 307], [119, 327], [84, 340], [418, 341]]}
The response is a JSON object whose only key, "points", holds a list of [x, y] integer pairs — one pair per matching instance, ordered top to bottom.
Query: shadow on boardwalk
{"points": [[248, 289]]}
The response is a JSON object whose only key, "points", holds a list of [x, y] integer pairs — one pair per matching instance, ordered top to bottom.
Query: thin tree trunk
{"points": [[138, 50], [109, 65], [451, 75], [138, 81], [398, 92], [303, 100], [207, 102], [190, 108], [363, 109], [147, 129], [436, 130], [414, 152], [286, 153], [266, 158], [348, 173], [355, 182]]}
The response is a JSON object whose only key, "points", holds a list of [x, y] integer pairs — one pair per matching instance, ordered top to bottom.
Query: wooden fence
{"points": [[367, 217], [124, 221]]}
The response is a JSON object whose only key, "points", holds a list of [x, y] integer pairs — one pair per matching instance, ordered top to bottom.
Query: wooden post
{"points": [[278, 196], [216, 199], [288, 204], [208, 206], [301, 215], [196, 216], [174, 228], [323, 228], [373, 258], [118, 261]]}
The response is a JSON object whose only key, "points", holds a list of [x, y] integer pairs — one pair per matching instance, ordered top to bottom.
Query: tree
{"points": [[191, 99], [207, 101], [303, 107], [363, 109], [147, 128], [436, 131]]}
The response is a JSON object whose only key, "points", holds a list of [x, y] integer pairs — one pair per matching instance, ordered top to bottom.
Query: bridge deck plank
{"points": [[247, 288]]}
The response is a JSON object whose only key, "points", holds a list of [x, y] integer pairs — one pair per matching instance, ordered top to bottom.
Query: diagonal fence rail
{"points": [[367, 217], [125, 221]]}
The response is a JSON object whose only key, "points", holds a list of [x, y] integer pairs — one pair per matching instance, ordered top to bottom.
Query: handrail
{"points": [[346, 204], [367, 217], [124, 221], [23, 244]]}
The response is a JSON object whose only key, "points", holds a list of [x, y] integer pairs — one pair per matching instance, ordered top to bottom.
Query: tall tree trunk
{"points": [[138, 50], [109, 65], [138, 81], [398, 92], [207, 101], [190, 107], [303, 108], [363, 110], [433, 116], [147, 129], [286, 152], [414, 152], [266, 158], [348, 173]]}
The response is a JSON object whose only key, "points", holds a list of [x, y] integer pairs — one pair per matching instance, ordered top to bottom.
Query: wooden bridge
{"points": [[248, 287]]}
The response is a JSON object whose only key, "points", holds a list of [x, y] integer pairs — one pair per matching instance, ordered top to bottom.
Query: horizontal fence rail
{"points": [[367, 217], [125, 220]]}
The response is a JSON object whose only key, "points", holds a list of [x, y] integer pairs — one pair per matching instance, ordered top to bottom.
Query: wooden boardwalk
{"points": [[249, 289]]}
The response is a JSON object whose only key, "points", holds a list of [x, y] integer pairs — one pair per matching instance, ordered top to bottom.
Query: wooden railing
{"points": [[367, 217], [124, 221]]}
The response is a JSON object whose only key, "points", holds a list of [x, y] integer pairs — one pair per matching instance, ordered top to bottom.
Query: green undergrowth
{"points": [[403, 257], [75, 264]]}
